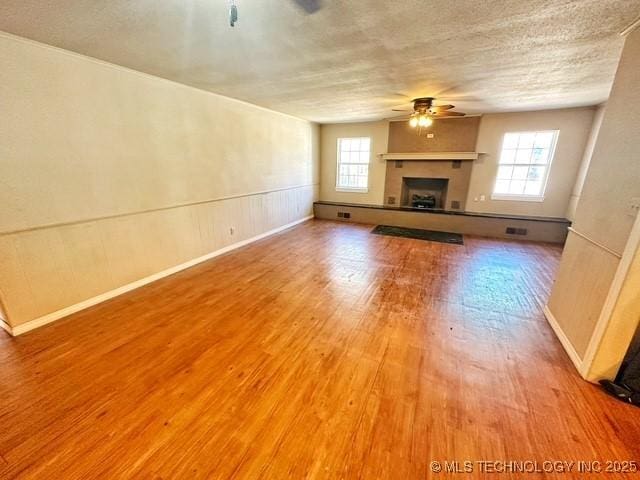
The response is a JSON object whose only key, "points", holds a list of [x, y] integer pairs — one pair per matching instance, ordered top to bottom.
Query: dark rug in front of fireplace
{"points": [[429, 235]]}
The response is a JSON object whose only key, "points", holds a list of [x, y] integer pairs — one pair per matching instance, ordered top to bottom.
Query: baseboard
{"points": [[51, 317], [564, 340]]}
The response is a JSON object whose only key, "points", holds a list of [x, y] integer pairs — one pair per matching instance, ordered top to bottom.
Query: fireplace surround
{"points": [[427, 184]]}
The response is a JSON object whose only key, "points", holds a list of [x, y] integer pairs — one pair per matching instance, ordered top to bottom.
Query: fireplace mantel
{"points": [[431, 156]]}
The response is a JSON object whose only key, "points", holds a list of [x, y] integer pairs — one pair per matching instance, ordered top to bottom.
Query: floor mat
{"points": [[429, 235]]}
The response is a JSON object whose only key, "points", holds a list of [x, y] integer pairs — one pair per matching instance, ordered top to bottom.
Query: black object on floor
{"points": [[429, 235], [626, 386], [620, 392]]}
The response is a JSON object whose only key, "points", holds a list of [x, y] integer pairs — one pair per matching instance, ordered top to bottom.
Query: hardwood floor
{"points": [[322, 352]]}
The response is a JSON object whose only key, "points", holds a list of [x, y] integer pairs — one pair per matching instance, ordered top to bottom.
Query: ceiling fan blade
{"points": [[309, 6], [437, 108], [400, 110], [448, 114], [406, 115]]}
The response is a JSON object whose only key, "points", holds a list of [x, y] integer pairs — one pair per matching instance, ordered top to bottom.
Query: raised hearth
{"points": [[543, 229]]}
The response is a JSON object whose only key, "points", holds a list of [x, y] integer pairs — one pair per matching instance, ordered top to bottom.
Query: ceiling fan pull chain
{"points": [[233, 13]]}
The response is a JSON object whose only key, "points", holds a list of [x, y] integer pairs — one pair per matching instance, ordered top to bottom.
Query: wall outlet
{"points": [[429, 135], [482, 198], [634, 206]]}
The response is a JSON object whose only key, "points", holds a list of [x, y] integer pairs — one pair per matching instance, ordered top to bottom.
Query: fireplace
{"points": [[419, 183], [418, 192]]}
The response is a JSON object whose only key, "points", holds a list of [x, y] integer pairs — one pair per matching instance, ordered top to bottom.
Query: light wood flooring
{"points": [[323, 352]]}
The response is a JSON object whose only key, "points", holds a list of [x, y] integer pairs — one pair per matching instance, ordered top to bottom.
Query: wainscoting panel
{"points": [[49, 269], [581, 288]]}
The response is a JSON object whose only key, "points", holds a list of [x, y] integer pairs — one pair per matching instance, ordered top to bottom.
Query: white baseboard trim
{"points": [[53, 316], [564, 340]]}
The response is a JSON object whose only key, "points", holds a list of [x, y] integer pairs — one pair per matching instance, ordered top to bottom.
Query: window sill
{"points": [[352, 190], [518, 198]]}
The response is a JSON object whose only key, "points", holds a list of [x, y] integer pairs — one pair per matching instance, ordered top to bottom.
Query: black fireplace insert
{"points": [[423, 201]]}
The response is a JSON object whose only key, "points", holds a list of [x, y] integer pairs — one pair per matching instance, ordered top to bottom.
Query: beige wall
{"points": [[574, 125], [329, 134], [586, 161], [614, 174], [108, 175], [603, 219], [580, 289], [3, 316], [621, 327]]}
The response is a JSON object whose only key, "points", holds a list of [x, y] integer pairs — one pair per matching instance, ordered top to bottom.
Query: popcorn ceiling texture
{"points": [[353, 60]]}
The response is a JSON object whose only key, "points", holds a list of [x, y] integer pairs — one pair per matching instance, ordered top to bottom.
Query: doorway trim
{"points": [[633, 243]]}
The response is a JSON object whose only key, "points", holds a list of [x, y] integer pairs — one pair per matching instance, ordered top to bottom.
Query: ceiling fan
{"points": [[309, 6], [424, 111]]}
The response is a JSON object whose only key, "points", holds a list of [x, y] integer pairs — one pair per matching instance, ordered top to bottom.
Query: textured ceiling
{"points": [[352, 60]]}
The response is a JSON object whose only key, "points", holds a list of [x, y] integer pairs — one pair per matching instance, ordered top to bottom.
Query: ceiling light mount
{"points": [[309, 6], [233, 13], [424, 112]]}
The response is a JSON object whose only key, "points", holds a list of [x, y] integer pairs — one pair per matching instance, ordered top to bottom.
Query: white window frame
{"points": [[340, 188], [523, 197]]}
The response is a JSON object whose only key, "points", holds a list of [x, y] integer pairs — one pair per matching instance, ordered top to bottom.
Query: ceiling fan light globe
{"points": [[423, 121], [413, 122]]}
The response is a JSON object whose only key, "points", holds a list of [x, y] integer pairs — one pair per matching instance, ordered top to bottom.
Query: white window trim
{"points": [[352, 189], [523, 197], [517, 198]]}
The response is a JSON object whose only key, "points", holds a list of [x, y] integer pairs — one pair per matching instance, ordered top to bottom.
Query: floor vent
{"points": [[391, 200], [455, 204], [344, 215], [516, 231]]}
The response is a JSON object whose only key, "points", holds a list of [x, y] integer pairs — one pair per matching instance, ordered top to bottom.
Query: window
{"points": [[353, 164], [524, 165]]}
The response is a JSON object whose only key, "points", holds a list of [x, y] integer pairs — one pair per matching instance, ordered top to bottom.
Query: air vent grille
{"points": [[516, 231]]}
